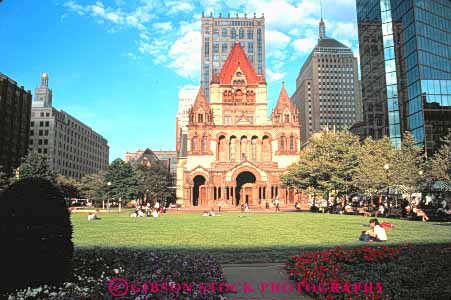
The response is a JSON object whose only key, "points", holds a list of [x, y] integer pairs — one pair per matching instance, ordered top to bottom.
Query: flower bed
{"points": [[379, 272], [123, 274]]}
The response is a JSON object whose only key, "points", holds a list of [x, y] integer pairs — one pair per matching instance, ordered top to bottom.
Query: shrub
{"points": [[36, 233]]}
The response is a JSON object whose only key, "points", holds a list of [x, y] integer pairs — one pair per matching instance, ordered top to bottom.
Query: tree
{"points": [[327, 164], [407, 164], [36, 165], [439, 166], [371, 175], [154, 181], [124, 184], [69, 186], [94, 187], [36, 229]]}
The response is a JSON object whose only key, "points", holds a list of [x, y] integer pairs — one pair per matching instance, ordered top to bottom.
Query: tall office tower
{"points": [[218, 37], [405, 58], [327, 87], [186, 100], [15, 109], [73, 148]]}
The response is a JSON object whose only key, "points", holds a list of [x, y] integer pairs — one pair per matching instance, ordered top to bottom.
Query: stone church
{"points": [[234, 152]]}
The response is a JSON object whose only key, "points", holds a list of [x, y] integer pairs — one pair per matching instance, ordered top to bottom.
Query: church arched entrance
{"points": [[245, 183], [199, 191]]}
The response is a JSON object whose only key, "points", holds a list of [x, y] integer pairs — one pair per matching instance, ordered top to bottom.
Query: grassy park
{"points": [[235, 237]]}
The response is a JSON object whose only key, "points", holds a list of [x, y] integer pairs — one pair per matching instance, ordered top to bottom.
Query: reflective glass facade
{"points": [[411, 40]]}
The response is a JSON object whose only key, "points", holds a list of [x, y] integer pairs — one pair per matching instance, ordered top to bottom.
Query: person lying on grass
{"points": [[375, 234]]}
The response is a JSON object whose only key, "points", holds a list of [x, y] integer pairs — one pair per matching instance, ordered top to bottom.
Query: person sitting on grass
{"points": [[212, 212], [154, 213], [420, 213], [206, 214], [93, 216], [375, 234]]}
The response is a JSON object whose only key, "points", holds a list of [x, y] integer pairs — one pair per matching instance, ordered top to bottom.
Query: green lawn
{"points": [[234, 237]]}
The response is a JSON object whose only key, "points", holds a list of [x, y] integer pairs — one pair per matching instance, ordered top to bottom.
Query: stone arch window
{"points": [[224, 32], [241, 33], [238, 74], [227, 95], [238, 96], [250, 96], [200, 118], [287, 118], [204, 143], [292, 143], [194, 144], [282, 144], [243, 147], [222, 148], [232, 148], [254, 148], [266, 149]]}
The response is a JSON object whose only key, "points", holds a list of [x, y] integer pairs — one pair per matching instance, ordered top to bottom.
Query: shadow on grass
{"points": [[256, 254]]}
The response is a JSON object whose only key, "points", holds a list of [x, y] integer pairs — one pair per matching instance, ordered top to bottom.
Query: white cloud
{"points": [[178, 6], [163, 26], [276, 40], [304, 45], [185, 55], [274, 76]]}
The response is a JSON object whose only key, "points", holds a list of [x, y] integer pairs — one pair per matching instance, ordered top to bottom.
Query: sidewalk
{"points": [[263, 282]]}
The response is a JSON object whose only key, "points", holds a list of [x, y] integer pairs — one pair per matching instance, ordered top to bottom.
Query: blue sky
{"points": [[118, 65]]}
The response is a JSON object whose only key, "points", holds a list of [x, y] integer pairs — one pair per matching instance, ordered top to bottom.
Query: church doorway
{"points": [[244, 178], [198, 181]]}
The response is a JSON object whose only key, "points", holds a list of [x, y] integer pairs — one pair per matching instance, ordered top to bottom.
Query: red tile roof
{"points": [[237, 58]]}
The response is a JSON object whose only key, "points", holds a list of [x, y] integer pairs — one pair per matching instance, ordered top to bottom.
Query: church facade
{"points": [[235, 154]]}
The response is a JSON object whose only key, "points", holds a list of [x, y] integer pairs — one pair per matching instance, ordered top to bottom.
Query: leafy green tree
{"points": [[328, 163], [408, 163], [36, 165], [439, 166], [371, 175], [154, 181], [124, 184], [69, 186], [94, 187]]}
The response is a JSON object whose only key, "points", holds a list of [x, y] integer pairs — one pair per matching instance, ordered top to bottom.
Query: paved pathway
{"points": [[259, 281]]}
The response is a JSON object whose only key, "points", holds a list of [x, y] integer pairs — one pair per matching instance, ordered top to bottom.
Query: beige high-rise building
{"points": [[218, 37], [327, 88], [73, 148]]}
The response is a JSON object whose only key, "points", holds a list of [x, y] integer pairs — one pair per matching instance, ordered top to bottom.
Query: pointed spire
{"points": [[322, 26], [201, 100], [284, 100]]}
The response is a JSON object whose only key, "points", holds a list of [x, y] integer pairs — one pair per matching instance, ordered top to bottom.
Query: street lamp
{"points": [[386, 167], [109, 186]]}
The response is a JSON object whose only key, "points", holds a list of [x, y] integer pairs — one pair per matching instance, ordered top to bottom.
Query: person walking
{"points": [[276, 203], [219, 206]]}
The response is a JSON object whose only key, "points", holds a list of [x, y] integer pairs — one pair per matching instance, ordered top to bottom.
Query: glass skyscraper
{"points": [[405, 50]]}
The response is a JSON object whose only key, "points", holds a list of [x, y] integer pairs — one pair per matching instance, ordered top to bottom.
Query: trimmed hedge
{"points": [[36, 233]]}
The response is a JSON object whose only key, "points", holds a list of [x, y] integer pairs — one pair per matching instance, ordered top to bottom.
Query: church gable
{"points": [[236, 67]]}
